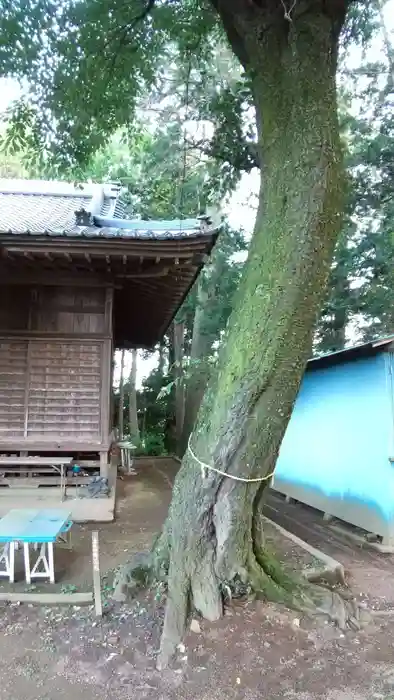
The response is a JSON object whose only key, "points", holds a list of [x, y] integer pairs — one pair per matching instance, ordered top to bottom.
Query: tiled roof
{"points": [[38, 207]]}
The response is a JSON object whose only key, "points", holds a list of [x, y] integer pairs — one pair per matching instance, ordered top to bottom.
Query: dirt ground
{"points": [[256, 651]]}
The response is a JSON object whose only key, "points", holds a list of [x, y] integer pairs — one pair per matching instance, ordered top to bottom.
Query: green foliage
{"points": [[361, 24], [87, 63], [91, 67], [149, 93], [149, 162], [361, 290], [156, 411], [152, 444]]}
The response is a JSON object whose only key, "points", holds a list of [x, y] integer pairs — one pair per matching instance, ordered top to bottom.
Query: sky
{"points": [[241, 207]]}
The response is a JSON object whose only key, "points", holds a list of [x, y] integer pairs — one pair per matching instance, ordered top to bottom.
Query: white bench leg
{"points": [[26, 553], [7, 557], [46, 560], [12, 562], [51, 563]]}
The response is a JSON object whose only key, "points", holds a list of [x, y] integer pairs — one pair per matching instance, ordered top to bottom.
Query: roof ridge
{"points": [[57, 188]]}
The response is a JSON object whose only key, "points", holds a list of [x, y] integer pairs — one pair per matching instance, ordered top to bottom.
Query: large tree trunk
{"points": [[133, 415], [211, 535]]}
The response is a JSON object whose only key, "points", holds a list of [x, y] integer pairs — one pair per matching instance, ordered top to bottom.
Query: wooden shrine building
{"points": [[77, 279]]}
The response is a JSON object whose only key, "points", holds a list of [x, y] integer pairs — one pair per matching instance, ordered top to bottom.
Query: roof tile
{"points": [[29, 207]]}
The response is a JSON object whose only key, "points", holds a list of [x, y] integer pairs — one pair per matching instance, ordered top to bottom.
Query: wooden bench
{"points": [[26, 467]]}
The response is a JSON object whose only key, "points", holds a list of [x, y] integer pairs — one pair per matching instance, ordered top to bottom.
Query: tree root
{"points": [[144, 569], [137, 574], [323, 594], [329, 596], [177, 609], [346, 613]]}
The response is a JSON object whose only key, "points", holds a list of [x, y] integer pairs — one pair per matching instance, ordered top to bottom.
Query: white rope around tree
{"points": [[288, 12], [207, 467]]}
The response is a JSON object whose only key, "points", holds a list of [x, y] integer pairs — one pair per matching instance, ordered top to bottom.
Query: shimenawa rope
{"points": [[207, 467]]}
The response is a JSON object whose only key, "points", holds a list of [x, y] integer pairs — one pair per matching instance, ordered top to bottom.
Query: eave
{"points": [[151, 276]]}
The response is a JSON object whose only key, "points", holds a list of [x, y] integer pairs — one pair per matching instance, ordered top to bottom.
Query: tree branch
{"points": [[227, 10], [139, 18], [122, 32], [250, 157]]}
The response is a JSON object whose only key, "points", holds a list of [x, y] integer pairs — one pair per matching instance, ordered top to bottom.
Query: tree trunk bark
{"points": [[210, 318], [331, 328], [179, 335], [160, 367], [198, 372], [121, 398], [133, 414], [212, 529]]}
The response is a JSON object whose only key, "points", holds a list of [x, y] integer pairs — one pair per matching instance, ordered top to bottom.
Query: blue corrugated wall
{"points": [[339, 440]]}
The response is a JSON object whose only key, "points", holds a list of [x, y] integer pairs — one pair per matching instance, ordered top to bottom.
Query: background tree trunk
{"points": [[215, 292], [179, 336], [160, 367], [198, 370], [121, 398], [133, 415], [212, 529]]}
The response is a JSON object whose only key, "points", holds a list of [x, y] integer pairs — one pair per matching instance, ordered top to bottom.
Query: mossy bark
{"points": [[212, 535]]}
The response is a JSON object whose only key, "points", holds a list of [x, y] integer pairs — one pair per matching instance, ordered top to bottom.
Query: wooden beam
{"points": [[136, 248], [161, 272], [51, 279], [76, 279], [108, 309], [52, 335], [106, 371], [52, 445], [96, 574], [48, 598]]}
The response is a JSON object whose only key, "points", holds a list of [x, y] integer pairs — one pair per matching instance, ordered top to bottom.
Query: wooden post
{"points": [[104, 466], [96, 574]]}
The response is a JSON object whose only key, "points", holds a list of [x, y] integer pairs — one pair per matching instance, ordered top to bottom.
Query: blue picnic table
{"points": [[37, 527]]}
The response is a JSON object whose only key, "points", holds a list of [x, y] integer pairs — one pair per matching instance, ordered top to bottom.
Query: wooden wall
{"points": [[55, 364]]}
